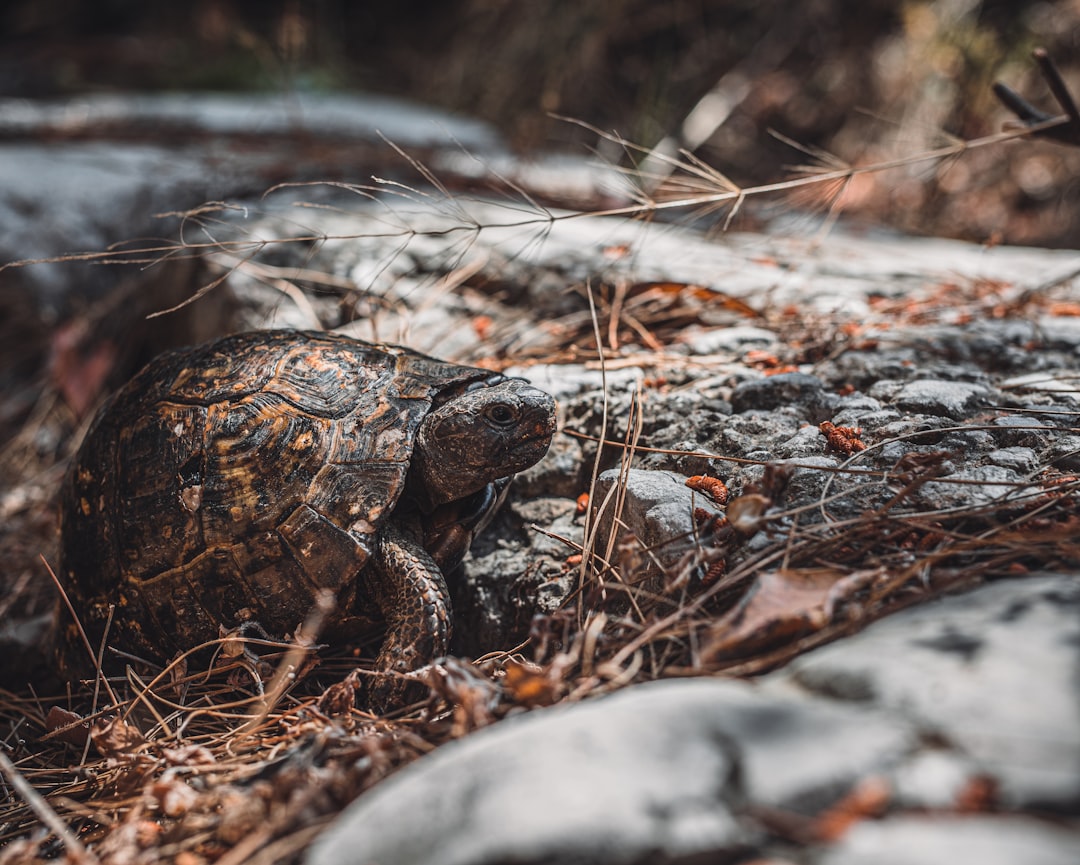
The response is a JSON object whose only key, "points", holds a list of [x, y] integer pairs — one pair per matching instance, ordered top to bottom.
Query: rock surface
{"points": [[657, 508], [993, 673], [974, 688], [655, 773], [982, 840]]}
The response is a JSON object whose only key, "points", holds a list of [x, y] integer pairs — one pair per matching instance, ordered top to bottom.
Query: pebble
{"points": [[786, 390], [953, 399], [658, 509]]}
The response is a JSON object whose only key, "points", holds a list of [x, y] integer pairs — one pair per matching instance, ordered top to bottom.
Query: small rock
{"points": [[739, 338], [566, 381], [1062, 385], [796, 390], [953, 399], [1020, 431], [806, 443], [1064, 452], [1015, 458], [559, 473], [969, 487], [658, 508], [514, 573], [933, 779]]}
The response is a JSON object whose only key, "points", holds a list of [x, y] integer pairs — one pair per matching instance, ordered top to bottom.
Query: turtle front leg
{"points": [[412, 596]]}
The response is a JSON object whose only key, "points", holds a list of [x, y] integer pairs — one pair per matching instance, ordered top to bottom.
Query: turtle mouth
{"points": [[543, 435]]}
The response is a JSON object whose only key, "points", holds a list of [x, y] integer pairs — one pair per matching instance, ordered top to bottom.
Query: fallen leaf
{"points": [[482, 325], [79, 377], [745, 513], [781, 607], [531, 685], [340, 697], [66, 726], [115, 737], [188, 755], [979, 795], [174, 797]]}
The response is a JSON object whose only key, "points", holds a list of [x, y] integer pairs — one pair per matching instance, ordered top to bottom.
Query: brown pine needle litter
{"points": [[212, 764]]}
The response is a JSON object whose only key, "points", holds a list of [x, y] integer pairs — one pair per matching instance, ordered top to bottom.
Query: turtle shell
{"points": [[234, 481]]}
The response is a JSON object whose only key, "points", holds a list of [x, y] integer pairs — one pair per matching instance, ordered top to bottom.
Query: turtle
{"points": [[236, 482]]}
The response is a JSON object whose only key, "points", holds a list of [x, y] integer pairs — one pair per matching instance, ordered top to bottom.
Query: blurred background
{"points": [[864, 80]]}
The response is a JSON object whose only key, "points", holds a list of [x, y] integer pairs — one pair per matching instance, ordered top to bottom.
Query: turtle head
{"points": [[490, 430]]}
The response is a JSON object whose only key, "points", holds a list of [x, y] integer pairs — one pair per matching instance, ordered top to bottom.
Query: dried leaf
{"points": [[616, 252], [482, 325], [80, 379], [745, 513], [783, 606], [530, 685], [472, 695], [340, 698], [66, 726], [116, 738], [188, 755], [979, 795], [174, 798], [243, 811]]}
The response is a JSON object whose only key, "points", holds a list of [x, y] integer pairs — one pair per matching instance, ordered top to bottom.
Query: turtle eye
{"points": [[501, 415]]}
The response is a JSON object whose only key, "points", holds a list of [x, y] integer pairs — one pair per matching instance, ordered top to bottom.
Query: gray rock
{"points": [[343, 114], [566, 381], [1063, 385], [804, 393], [953, 399], [754, 435], [807, 443], [1064, 452], [1015, 458], [559, 473], [809, 478], [975, 485], [658, 508], [515, 572], [992, 672], [800, 754], [646, 771], [651, 774], [933, 779], [992, 840]]}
